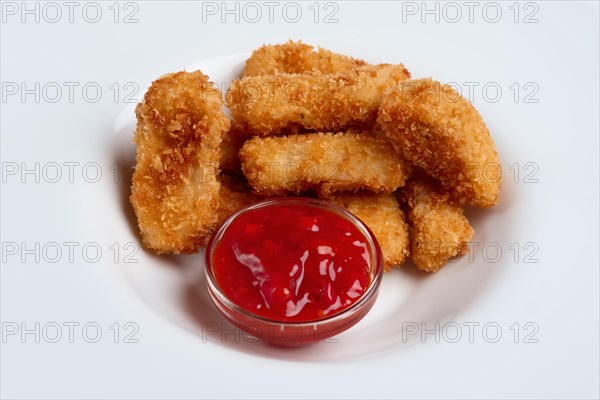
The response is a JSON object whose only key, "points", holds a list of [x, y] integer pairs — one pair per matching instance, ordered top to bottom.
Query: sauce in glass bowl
{"points": [[287, 270]]}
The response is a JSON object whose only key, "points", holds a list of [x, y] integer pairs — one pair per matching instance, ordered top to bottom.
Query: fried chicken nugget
{"points": [[298, 58], [270, 104], [440, 131], [327, 162], [175, 190], [382, 214], [438, 228]]}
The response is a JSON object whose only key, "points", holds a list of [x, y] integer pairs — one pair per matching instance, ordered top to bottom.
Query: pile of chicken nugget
{"points": [[404, 155]]}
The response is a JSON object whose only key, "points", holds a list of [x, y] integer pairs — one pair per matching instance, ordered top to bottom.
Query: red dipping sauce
{"points": [[292, 261]]}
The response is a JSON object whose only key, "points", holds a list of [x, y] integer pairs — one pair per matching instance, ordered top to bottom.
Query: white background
{"points": [[555, 128]]}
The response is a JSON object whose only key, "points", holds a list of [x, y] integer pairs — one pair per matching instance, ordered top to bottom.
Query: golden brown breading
{"points": [[298, 58], [270, 104], [440, 131], [230, 147], [327, 162], [175, 189], [233, 196], [382, 214], [438, 228]]}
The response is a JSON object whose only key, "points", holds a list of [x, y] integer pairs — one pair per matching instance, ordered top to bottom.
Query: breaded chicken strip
{"points": [[298, 58], [270, 104], [440, 131], [230, 147], [327, 162], [175, 190], [382, 214], [438, 228]]}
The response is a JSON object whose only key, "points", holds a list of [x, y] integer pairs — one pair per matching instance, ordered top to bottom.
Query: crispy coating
{"points": [[298, 58], [270, 104], [440, 131], [230, 147], [327, 162], [175, 188], [233, 196], [382, 214], [438, 228]]}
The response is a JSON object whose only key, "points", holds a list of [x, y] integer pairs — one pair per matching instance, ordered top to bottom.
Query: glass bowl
{"points": [[286, 333]]}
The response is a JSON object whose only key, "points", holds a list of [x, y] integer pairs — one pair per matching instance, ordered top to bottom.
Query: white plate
{"points": [[542, 58], [174, 286]]}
